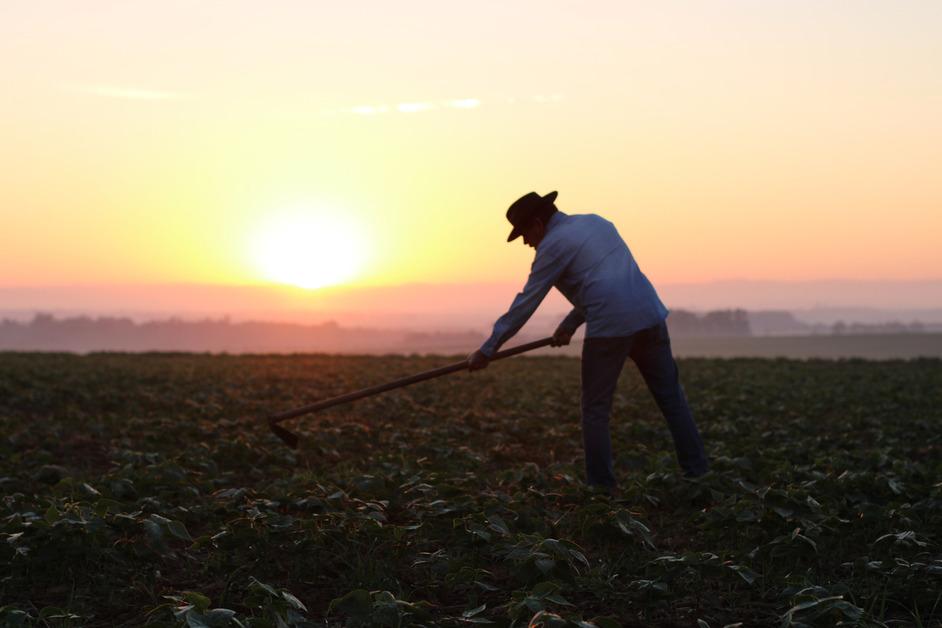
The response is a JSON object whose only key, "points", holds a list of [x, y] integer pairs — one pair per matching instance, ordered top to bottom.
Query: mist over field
{"points": [[449, 306], [828, 319]]}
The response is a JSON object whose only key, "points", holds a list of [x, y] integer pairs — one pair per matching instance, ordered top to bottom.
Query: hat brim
{"points": [[516, 232]]}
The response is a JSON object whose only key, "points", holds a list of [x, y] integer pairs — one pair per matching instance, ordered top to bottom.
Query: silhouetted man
{"points": [[584, 258]]}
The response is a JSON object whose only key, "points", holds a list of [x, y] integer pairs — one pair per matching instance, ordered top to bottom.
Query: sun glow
{"points": [[309, 249]]}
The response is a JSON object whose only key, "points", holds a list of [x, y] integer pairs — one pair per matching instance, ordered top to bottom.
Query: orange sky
{"points": [[160, 142]]}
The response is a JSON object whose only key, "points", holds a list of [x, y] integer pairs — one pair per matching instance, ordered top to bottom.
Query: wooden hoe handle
{"points": [[292, 439]]}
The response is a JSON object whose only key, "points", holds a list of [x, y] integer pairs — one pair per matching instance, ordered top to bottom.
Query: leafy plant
{"points": [[144, 489]]}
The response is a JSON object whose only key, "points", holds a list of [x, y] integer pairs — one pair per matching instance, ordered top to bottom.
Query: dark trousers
{"points": [[602, 361]]}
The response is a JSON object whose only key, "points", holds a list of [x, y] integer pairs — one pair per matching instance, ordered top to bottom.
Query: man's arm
{"points": [[546, 269], [573, 320], [568, 327]]}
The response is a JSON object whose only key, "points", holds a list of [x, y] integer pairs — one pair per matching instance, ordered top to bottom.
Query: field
{"points": [[144, 489]]}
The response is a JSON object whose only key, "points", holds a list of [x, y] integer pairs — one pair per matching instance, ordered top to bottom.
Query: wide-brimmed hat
{"points": [[523, 209]]}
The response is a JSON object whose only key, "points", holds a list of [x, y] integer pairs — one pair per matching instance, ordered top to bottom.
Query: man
{"points": [[584, 257]]}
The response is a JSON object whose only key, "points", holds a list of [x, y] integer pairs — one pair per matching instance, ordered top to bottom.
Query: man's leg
{"points": [[651, 351], [602, 361]]}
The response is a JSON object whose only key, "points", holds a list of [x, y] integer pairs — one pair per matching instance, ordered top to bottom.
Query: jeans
{"points": [[602, 361]]}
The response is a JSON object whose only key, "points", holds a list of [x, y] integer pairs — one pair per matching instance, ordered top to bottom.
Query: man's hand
{"points": [[561, 337], [478, 361]]}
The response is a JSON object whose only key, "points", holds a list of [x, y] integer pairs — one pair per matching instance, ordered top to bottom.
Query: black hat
{"points": [[523, 210]]}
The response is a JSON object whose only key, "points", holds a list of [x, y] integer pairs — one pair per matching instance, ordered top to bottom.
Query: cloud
{"points": [[125, 92], [465, 103], [417, 106]]}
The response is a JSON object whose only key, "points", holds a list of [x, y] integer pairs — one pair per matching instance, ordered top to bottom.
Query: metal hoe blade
{"points": [[289, 438]]}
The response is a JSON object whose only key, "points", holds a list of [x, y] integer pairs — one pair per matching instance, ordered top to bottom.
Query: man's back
{"points": [[600, 276]]}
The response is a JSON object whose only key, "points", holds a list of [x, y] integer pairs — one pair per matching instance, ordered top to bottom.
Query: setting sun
{"points": [[309, 249]]}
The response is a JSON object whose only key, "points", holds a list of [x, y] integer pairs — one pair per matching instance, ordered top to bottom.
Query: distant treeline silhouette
{"points": [[715, 323], [916, 327], [45, 332], [84, 334]]}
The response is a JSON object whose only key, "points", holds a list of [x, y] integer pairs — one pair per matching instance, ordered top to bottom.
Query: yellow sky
{"points": [[155, 141]]}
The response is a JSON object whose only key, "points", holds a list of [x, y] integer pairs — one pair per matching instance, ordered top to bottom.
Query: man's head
{"points": [[529, 216]]}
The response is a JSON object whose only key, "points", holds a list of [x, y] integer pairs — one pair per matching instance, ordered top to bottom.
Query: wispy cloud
{"points": [[125, 92], [464, 103], [417, 106], [420, 106]]}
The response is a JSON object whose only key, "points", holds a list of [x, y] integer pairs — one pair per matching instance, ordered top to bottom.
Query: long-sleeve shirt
{"points": [[585, 258]]}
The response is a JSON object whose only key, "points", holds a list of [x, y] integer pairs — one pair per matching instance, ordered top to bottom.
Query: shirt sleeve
{"points": [[546, 269], [573, 320]]}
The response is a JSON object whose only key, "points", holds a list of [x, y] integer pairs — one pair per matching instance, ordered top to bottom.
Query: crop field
{"points": [[147, 490]]}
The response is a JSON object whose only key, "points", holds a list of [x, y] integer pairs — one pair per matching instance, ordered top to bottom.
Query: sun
{"points": [[309, 248]]}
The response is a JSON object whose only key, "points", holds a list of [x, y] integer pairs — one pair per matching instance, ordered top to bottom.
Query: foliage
{"points": [[146, 489]]}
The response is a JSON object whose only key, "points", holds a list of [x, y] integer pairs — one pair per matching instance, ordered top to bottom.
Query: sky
{"points": [[379, 143]]}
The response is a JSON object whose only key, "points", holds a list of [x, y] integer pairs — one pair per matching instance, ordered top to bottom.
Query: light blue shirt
{"points": [[587, 261]]}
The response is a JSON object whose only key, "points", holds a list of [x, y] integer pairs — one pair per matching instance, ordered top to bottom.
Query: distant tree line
{"points": [[715, 323], [841, 328], [45, 332], [83, 334]]}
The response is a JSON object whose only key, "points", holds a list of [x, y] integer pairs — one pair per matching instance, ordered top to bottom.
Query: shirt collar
{"points": [[554, 220]]}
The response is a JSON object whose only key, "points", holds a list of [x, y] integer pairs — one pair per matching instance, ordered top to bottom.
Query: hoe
{"points": [[291, 439]]}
